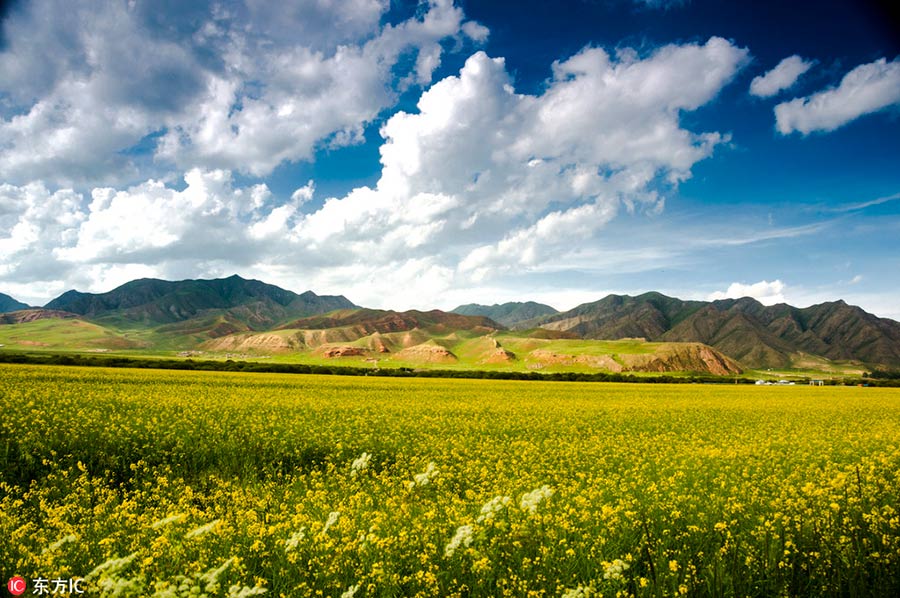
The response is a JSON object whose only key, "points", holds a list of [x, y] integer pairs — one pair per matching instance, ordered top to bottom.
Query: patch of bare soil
{"points": [[341, 351], [427, 353], [684, 357], [603, 362]]}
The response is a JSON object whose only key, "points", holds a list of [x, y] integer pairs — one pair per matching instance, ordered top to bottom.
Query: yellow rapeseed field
{"points": [[175, 484]]}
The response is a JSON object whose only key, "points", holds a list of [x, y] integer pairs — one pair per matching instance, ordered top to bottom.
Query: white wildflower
{"points": [[359, 464], [425, 478], [530, 500], [492, 507], [332, 519], [168, 521], [202, 530], [462, 537], [295, 539], [59, 543], [111, 566], [615, 569], [105, 577], [211, 577], [204, 584], [182, 586], [121, 587], [165, 591], [237, 591], [351, 591], [579, 592]]}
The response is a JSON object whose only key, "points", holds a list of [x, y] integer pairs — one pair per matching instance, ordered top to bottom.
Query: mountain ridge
{"points": [[252, 303], [8, 304], [509, 313]]}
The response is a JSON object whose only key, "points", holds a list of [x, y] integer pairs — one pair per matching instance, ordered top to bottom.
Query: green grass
{"points": [[67, 335], [582, 347], [471, 349], [806, 366]]}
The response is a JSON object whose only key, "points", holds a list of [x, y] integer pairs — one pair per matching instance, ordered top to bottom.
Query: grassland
{"points": [[63, 335], [472, 351], [509, 351], [172, 484]]}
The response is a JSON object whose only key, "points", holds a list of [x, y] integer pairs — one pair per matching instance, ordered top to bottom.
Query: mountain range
{"points": [[152, 301], [150, 313], [744, 329], [648, 332]]}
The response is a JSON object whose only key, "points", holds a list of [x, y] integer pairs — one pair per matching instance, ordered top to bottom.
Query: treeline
{"points": [[285, 368], [883, 374], [874, 378]]}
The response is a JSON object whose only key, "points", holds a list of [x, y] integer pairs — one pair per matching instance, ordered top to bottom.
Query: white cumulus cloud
{"points": [[783, 76], [241, 86], [866, 89], [492, 180], [479, 181], [62, 239], [767, 293]]}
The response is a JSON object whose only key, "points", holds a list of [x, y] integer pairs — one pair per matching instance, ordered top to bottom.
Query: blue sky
{"points": [[426, 155]]}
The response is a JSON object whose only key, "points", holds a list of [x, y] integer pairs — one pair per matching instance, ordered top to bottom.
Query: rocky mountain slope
{"points": [[23, 316], [743, 329]]}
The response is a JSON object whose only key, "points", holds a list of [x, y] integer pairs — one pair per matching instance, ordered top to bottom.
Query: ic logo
{"points": [[16, 586]]}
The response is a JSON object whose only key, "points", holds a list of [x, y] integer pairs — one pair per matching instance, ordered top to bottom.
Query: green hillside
{"points": [[234, 318], [71, 334], [467, 349]]}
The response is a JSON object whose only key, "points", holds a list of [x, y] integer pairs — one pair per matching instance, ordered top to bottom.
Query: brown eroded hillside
{"points": [[744, 329]]}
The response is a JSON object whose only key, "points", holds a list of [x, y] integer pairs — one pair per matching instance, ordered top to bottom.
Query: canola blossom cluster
{"points": [[222, 485]]}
